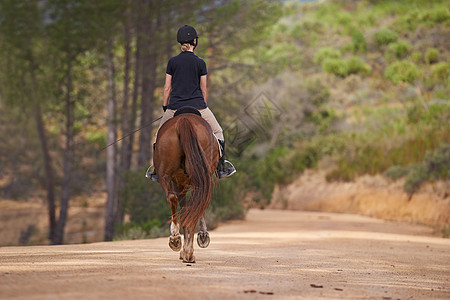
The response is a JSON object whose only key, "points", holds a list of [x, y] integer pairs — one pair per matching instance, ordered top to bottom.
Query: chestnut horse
{"points": [[185, 158]]}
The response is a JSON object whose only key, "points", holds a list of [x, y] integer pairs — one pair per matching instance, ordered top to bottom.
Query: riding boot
{"points": [[222, 170], [153, 176]]}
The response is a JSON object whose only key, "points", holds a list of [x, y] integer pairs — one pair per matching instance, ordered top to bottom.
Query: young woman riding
{"points": [[185, 85]]}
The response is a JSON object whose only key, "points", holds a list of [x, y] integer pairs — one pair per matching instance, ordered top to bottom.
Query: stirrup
{"points": [[224, 173], [148, 174], [151, 175]]}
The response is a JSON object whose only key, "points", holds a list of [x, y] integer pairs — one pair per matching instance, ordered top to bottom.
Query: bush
{"points": [[435, 15], [384, 37], [359, 43], [398, 50], [324, 53], [432, 56], [416, 57], [357, 65], [335, 66], [343, 68], [402, 71], [440, 71], [436, 166], [397, 172], [142, 200]]}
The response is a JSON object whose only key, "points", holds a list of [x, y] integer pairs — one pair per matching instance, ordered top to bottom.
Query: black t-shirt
{"points": [[186, 69]]}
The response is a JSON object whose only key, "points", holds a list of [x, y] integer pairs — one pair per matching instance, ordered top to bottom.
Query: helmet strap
{"points": [[194, 44]]}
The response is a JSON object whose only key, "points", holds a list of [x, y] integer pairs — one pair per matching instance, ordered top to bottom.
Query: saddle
{"points": [[187, 110], [193, 110]]}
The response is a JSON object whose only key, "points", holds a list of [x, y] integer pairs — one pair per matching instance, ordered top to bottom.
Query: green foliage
{"points": [[438, 14], [427, 16], [384, 37], [359, 44], [398, 50], [326, 53], [432, 56], [416, 57], [356, 65], [335, 66], [343, 68], [402, 71], [440, 72], [97, 138], [379, 151], [436, 166], [396, 172], [142, 200], [226, 200], [144, 230], [445, 230]]}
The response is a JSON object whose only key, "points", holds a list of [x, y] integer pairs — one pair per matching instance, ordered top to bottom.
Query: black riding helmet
{"points": [[187, 34]]}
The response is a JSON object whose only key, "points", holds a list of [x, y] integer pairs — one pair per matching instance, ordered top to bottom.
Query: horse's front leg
{"points": [[203, 235]]}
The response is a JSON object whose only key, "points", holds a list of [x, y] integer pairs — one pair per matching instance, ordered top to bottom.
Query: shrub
{"points": [[436, 15], [384, 37], [359, 43], [398, 50], [324, 53], [432, 55], [416, 57], [357, 65], [335, 66], [343, 68], [402, 71], [440, 71], [96, 138], [436, 166], [396, 172]]}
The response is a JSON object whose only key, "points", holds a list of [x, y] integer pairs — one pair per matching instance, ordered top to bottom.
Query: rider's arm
{"points": [[204, 88], [167, 89]]}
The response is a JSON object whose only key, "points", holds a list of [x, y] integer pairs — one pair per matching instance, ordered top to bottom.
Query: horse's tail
{"points": [[198, 171]]}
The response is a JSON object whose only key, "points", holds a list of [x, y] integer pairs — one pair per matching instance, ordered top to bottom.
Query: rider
{"points": [[186, 86]]}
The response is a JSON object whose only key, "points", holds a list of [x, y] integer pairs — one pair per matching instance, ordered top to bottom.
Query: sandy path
{"points": [[273, 254]]}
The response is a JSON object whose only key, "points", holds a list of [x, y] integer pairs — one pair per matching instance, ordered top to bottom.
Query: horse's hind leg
{"points": [[203, 235], [175, 237], [187, 254]]}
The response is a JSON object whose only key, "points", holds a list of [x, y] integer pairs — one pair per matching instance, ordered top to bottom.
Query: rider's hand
{"points": [[164, 108]]}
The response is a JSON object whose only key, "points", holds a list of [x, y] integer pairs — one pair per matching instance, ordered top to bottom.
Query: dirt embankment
{"points": [[373, 196]]}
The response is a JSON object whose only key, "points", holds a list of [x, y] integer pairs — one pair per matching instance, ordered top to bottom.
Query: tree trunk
{"points": [[136, 83], [148, 86], [125, 154], [49, 177], [111, 205], [58, 237]]}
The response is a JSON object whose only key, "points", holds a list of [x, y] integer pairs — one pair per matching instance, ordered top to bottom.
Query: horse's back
{"points": [[168, 144]]}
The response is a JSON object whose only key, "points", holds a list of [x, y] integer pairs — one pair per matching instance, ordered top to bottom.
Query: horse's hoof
{"points": [[203, 239], [175, 243], [191, 260]]}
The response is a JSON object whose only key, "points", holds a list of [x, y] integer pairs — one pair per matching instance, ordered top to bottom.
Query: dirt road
{"points": [[271, 255]]}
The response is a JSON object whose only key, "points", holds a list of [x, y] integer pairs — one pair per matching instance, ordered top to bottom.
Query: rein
{"points": [[131, 133]]}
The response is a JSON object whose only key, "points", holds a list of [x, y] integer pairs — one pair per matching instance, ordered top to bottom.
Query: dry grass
{"points": [[372, 196], [85, 221]]}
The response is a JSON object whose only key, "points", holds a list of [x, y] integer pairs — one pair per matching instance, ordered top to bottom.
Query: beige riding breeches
{"points": [[206, 114]]}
